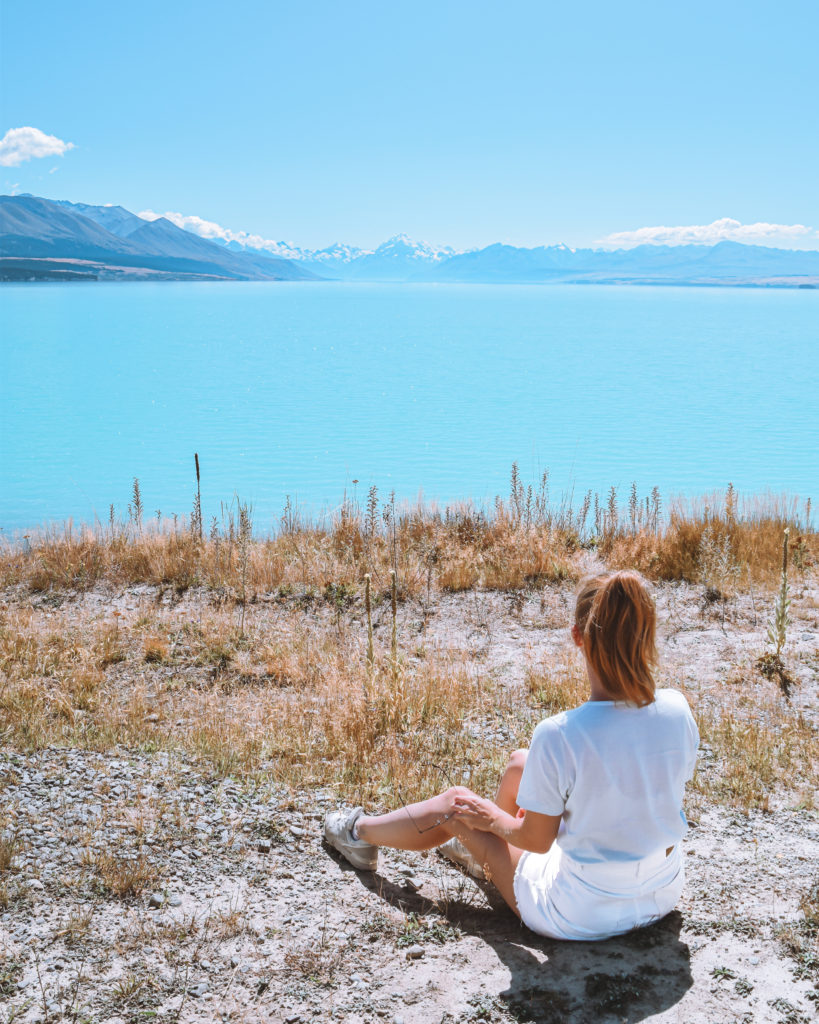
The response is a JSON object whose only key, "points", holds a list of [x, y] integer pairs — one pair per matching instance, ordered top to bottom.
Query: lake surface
{"points": [[300, 389]]}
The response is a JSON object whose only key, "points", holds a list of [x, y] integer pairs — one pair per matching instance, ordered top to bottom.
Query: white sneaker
{"points": [[338, 833], [455, 851]]}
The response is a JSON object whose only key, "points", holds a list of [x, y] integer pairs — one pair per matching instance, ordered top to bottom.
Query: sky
{"points": [[460, 123]]}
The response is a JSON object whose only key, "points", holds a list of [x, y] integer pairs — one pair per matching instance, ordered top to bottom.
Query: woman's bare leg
{"points": [[507, 798], [431, 823], [418, 826], [422, 826], [498, 858]]}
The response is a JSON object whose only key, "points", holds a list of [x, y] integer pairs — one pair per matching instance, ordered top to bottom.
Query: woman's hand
{"points": [[476, 812]]}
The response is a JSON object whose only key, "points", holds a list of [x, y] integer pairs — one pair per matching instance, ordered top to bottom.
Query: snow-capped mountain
{"points": [[119, 242], [396, 259]]}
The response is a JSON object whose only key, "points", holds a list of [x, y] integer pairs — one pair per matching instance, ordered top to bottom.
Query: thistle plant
{"points": [[656, 506], [633, 507], [135, 509], [372, 511], [196, 517], [613, 518], [245, 532], [369, 607], [394, 607], [780, 620], [397, 700]]}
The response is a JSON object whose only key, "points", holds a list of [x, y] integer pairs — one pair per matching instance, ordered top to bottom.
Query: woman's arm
{"points": [[529, 831]]}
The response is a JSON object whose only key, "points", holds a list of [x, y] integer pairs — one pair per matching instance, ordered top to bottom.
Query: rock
{"points": [[296, 831], [264, 846], [156, 899], [174, 901], [415, 952], [198, 989]]}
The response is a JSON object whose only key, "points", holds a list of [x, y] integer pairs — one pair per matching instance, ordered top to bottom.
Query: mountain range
{"points": [[42, 239], [47, 240]]}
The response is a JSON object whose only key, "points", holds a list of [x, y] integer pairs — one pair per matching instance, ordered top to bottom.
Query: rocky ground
{"points": [[140, 886]]}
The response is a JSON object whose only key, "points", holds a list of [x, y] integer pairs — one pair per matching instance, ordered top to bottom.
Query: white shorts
{"points": [[568, 900]]}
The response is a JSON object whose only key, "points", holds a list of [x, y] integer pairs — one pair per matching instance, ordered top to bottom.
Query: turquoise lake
{"points": [[300, 389]]}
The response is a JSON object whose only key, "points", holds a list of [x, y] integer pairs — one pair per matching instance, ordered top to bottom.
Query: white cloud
{"points": [[21, 144], [210, 229], [722, 230]]}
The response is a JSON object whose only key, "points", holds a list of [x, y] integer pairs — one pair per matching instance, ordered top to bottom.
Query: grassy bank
{"points": [[521, 542], [253, 651]]}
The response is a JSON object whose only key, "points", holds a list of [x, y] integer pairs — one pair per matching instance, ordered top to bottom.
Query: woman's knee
{"points": [[445, 808]]}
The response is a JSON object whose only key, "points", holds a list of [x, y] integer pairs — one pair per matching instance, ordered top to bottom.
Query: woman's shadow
{"points": [[627, 978]]}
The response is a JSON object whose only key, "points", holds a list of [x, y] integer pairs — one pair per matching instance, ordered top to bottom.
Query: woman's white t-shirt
{"points": [[616, 775]]}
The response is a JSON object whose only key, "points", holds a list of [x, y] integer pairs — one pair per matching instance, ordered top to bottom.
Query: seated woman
{"points": [[583, 837]]}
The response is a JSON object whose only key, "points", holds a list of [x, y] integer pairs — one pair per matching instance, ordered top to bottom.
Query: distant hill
{"points": [[58, 240], [110, 242], [401, 259], [724, 263]]}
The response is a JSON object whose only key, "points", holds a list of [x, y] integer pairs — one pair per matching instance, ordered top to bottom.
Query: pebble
{"points": [[264, 846], [156, 899], [415, 952], [198, 989]]}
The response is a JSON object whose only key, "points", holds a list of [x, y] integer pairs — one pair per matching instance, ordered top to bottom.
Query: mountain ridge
{"points": [[36, 229], [111, 242]]}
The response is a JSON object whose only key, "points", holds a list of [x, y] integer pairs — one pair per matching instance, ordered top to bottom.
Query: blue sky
{"points": [[462, 123]]}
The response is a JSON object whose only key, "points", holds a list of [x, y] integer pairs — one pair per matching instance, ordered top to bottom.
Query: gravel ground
{"points": [[139, 886], [245, 916]]}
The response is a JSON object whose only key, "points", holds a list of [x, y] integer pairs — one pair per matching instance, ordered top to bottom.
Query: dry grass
{"points": [[522, 542], [716, 543], [453, 550], [279, 682], [556, 686], [294, 698], [759, 746], [10, 847], [123, 876], [76, 926], [801, 940]]}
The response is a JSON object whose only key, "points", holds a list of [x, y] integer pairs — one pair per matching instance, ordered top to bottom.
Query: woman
{"points": [[583, 837]]}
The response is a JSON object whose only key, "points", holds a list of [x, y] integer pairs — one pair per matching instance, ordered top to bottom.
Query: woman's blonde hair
{"points": [[616, 617]]}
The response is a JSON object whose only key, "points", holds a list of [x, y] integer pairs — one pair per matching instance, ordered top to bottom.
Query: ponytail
{"points": [[617, 620]]}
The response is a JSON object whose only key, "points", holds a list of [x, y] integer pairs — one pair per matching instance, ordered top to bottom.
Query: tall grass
{"points": [[523, 541]]}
